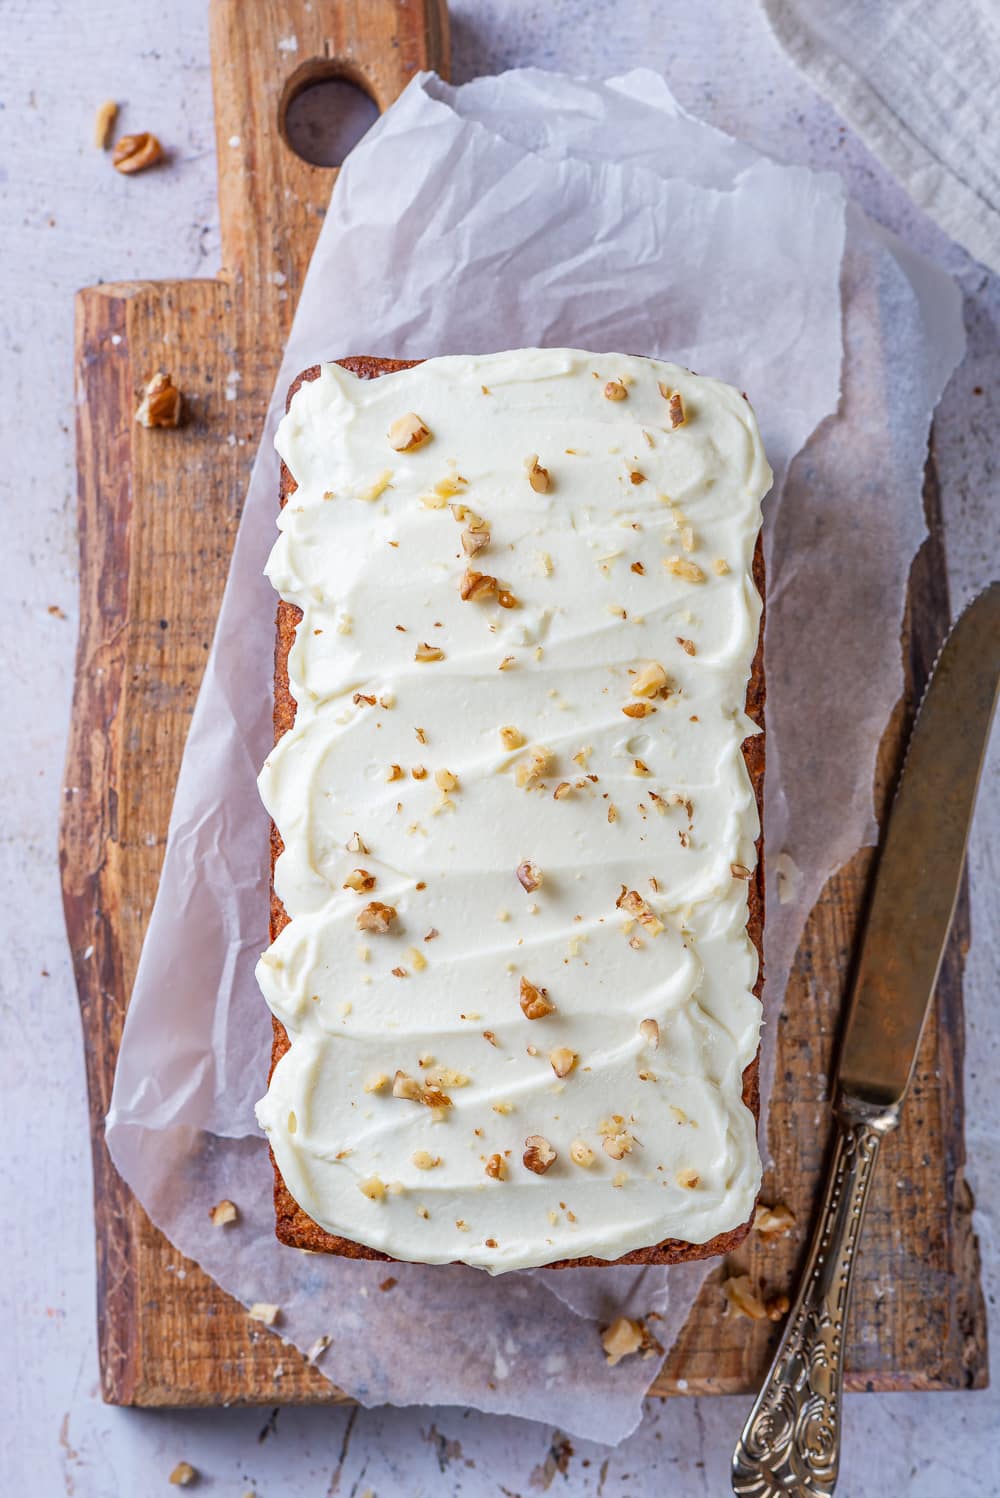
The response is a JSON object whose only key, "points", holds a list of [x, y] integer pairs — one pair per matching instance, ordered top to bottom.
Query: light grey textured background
{"points": [[68, 221]]}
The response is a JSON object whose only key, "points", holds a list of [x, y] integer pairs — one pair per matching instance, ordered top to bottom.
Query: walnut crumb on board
{"points": [[134, 153], [161, 403], [223, 1213]]}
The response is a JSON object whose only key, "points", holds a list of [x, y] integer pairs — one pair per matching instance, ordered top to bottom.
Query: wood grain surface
{"points": [[158, 512]]}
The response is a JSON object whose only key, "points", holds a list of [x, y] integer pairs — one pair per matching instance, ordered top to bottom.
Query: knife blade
{"points": [[920, 869]]}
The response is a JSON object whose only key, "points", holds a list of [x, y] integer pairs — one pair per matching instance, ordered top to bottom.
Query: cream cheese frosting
{"points": [[517, 821]]}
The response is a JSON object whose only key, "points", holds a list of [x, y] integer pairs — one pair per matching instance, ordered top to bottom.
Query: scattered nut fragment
{"points": [[104, 123], [133, 153], [614, 390], [161, 403], [676, 415], [407, 432], [538, 477], [637, 477], [475, 538], [720, 566], [681, 567], [476, 586], [688, 646], [425, 652], [650, 681], [638, 709], [511, 738], [531, 769], [419, 772], [395, 773], [445, 780], [562, 790], [356, 844], [739, 871], [529, 876], [360, 881], [631, 901], [376, 917], [415, 958], [535, 1001], [650, 1032], [562, 1060], [377, 1083], [415, 1091], [618, 1145], [581, 1153], [538, 1154], [424, 1160], [496, 1167], [687, 1178], [373, 1187], [223, 1213], [773, 1222], [742, 1299], [776, 1307], [262, 1311], [621, 1339], [314, 1354], [183, 1475]]}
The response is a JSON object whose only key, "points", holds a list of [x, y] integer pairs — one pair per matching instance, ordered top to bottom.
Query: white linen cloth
{"points": [[919, 81]]}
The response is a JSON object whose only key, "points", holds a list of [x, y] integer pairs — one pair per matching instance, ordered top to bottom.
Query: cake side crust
{"points": [[293, 1225]]}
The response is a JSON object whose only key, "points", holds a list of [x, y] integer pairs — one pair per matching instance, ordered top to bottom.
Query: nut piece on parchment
{"points": [[104, 123], [134, 153], [161, 403], [408, 432], [376, 917], [535, 1001], [538, 1154], [223, 1213], [773, 1222], [261, 1310], [621, 1339], [183, 1475]]}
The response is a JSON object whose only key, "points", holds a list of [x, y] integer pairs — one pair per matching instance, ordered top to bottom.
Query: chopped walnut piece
{"points": [[104, 123], [134, 153], [614, 390], [161, 403], [676, 416], [407, 432], [538, 477], [637, 477], [474, 541], [720, 566], [681, 567], [638, 568], [474, 587], [506, 599], [687, 646], [425, 652], [650, 681], [360, 697], [638, 709], [511, 738], [640, 767], [531, 769], [396, 772], [419, 772], [445, 780], [562, 790], [356, 844], [739, 871], [360, 880], [631, 901], [376, 917], [415, 958], [535, 1001], [650, 1032], [562, 1060], [377, 1083], [415, 1091], [618, 1145], [581, 1153], [538, 1154], [424, 1160], [496, 1167], [688, 1179], [373, 1187], [223, 1213], [773, 1222], [742, 1299], [776, 1307], [262, 1311], [621, 1339], [183, 1475]]}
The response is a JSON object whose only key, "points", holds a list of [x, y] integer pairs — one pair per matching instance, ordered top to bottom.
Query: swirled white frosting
{"points": [[638, 553]]}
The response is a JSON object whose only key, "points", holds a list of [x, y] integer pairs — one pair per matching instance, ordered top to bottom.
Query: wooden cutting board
{"points": [[158, 512]]}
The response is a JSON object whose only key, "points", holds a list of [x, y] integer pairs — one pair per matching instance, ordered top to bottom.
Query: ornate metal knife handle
{"points": [[790, 1446]]}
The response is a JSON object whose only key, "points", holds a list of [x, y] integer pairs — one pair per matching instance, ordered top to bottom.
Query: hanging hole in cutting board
{"points": [[324, 113]]}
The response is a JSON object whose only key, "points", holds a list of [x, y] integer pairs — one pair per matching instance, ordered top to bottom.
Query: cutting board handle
{"points": [[271, 202]]}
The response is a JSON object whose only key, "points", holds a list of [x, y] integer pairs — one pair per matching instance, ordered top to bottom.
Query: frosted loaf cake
{"points": [[517, 907]]}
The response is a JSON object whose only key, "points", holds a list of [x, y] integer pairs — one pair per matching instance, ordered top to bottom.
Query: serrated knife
{"points": [[790, 1444]]}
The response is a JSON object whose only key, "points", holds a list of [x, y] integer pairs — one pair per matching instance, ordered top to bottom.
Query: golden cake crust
{"points": [[293, 1225]]}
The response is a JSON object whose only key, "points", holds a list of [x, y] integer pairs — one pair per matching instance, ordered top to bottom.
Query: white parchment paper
{"points": [[536, 209]]}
